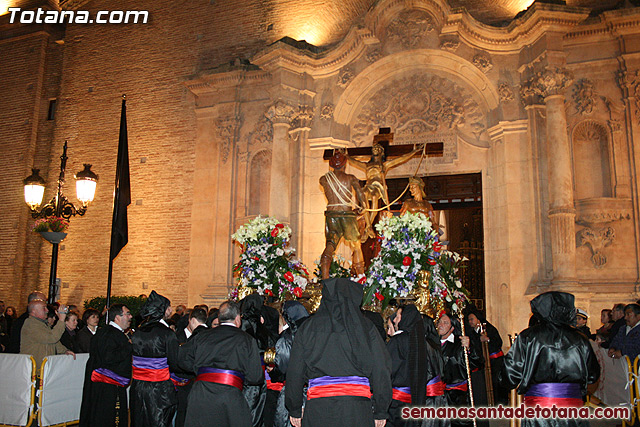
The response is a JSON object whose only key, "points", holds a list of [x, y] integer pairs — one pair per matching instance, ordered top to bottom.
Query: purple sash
{"points": [[107, 376], [338, 386], [549, 394]]}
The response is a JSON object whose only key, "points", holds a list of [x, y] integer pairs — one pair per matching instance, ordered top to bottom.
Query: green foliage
{"points": [[133, 303]]}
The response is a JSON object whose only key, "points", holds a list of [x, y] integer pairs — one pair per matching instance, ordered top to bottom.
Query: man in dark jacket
{"points": [[155, 353], [342, 357], [224, 358], [551, 363]]}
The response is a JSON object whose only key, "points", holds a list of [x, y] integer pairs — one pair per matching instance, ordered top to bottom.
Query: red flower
{"points": [[279, 225], [275, 232], [437, 247], [256, 258], [406, 261], [432, 262], [289, 276], [362, 280], [297, 291], [268, 292], [444, 293], [379, 296]]}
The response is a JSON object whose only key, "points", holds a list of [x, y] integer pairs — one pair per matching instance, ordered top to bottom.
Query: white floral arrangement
{"points": [[410, 245], [267, 263]]}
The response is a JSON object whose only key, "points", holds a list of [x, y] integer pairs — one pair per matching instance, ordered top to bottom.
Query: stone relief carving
{"points": [[410, 27], [449, 44], [373, 56], [483, 62], [345, 76], [552, 81], [630, 84], [505, 92], [528, 93], [584, 96], [430, 103], [280, 112], [326, 112], [303, 117], [226, 129], [262, 134], [597, 240]]}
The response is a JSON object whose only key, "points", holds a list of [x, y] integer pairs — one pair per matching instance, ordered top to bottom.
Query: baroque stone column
{"points": [[551, 84], [280, 114]]}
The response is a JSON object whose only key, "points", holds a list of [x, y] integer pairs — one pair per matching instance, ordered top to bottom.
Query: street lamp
{"points": [[59, 205]]}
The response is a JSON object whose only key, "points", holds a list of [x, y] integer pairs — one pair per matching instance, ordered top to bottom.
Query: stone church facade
{"points": [[546, 109]]}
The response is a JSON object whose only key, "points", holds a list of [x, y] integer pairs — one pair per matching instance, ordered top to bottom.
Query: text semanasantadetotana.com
{"points": [[42, 16], [508, 412]]}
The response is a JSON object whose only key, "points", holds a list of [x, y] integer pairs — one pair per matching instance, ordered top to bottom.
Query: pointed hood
{"points": [[154, 307], [554, 307]]}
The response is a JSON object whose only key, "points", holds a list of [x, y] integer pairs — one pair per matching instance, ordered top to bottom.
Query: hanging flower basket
{"points": [[53, 237]]}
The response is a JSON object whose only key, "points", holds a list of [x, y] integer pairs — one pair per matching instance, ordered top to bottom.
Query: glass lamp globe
{"points": [[86, 181], [33, 189]]}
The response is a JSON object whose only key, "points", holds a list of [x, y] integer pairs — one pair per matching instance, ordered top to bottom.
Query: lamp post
{"points": [[59, 206]]}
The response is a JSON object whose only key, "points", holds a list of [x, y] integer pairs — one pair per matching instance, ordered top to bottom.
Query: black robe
{"points": [[83, 340], [339, 341], [224, 347], [552, 351], [455, 372], [184, 390], [500, 394], [154, 403], [103, 404]]}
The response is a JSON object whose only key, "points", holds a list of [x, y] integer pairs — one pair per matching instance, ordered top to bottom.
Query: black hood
{"points": [[154, 307], [340, 307], [554, 307], [294, 314], [410, 316]]}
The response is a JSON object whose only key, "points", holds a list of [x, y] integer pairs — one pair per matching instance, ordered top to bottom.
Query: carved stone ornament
{"points": [[410, 27], [449, 44], [373, 55], [483, 62], [345, 76], [552, 81], [630, 84], [505, 92], [528, 93], [584, 96], [427, 101], [280, 112], [326, 113], [303, 117], [226, 128], [262, 134], [591, 212], [597, 240]]}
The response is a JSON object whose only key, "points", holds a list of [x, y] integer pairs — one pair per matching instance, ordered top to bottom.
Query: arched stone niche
{"points": [[591, 161]]}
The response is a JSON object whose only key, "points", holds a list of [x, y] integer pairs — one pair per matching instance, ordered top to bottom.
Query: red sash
{"points": [[221, 376]]}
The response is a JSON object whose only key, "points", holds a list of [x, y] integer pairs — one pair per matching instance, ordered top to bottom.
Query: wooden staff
{"points": [[466, 362], [488, 378], [514, 422]]}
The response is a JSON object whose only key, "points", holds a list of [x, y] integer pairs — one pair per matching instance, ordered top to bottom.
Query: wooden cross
{"points": [[385, 138]]}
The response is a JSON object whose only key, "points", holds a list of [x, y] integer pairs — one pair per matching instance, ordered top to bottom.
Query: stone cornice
{"points": [[539, 19], [613, 24], [284, 56], [211, 82]]}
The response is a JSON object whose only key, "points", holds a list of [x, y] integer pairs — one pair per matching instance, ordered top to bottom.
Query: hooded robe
{"points": [[339, 342], [551, 352], [153, 401]]}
